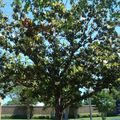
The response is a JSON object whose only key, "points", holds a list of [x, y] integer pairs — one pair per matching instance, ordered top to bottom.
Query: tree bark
{"points": [[58, 106], [28, 111], [58, 112], [66, 113], [103, 115]]}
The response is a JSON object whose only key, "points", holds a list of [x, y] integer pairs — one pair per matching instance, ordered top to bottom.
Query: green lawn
{"points": [[94, 118], [99, 118]]}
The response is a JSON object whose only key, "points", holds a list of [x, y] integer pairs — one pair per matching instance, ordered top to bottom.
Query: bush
{"points": [[13, 117], [41, 117]]}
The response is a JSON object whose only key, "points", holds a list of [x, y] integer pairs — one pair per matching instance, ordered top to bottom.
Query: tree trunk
{"points": [[58, 105], [28, 111], [58, 112], [66, 113], [53, 114], [103, 115]]}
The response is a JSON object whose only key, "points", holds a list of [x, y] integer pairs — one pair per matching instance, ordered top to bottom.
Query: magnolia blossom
{"points": [[105, 61]]}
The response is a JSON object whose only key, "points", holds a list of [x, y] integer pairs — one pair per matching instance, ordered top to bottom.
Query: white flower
{"points": [[35, 10], [105, 61], [57, 83]]}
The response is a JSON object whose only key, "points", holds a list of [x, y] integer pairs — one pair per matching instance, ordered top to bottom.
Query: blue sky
{"points": [[7, 10], [118, 29], [7, 98]]}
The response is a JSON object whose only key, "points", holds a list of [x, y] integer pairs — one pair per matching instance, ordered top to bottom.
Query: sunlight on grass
{"points": [[99, 118]]}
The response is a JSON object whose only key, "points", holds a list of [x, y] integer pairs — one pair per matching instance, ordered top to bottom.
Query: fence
{"points": [[15, 110]]}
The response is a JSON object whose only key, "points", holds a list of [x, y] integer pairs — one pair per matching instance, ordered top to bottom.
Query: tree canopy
{"points": [[59, 47]]}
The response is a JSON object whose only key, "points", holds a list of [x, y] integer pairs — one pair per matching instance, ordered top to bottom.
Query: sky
{"points": [[8, 11]]}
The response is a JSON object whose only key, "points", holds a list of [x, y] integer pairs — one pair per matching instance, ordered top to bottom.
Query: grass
{"points": [[83, 118], [94, 118], [99, 118]]}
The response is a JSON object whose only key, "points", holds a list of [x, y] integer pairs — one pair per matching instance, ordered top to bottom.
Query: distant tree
{"points": [[69, 48], [21, 95], [15, 96], [28, 99], [106, 101]]}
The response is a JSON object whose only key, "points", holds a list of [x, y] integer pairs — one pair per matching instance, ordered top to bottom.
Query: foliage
{"points": [[66, 48], [21, 95], [105, 101]]}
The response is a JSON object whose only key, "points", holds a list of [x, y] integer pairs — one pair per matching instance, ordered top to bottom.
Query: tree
{"points": [[68, 48], [5, 81], [21, 95], [14, 96], [28, 99], [105, 101]]}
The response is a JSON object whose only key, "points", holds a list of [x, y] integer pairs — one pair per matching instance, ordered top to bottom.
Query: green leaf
{"points": [[18, 2], [27, 7]]}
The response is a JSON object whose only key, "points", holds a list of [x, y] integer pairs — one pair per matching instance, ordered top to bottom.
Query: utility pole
{"points": [[0, 107], [90, 108]]}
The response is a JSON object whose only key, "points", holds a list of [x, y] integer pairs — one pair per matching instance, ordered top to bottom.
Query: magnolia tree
{"points": [[70, 46]]}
